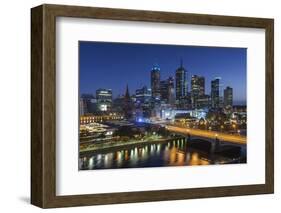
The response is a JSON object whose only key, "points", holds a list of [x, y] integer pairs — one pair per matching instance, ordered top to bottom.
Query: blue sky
{"points": [[113, 65]]}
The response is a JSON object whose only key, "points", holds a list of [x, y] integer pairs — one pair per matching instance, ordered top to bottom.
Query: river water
{"points": [[170, 153]]}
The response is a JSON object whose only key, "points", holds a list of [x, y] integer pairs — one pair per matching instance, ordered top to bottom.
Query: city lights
{"points": [[173, 114]]}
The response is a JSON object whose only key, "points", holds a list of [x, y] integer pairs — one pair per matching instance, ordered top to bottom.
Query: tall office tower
{"points": [[155, 81], [181, 83], [201, 86], [197, 89], [167, 90], [215, 92], [228, 96], [104, 99], [143, 103]]}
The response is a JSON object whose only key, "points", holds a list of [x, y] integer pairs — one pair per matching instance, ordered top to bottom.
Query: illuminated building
{"points": [[155, 81], [181, 84], [197, 89], [167, 90], [215, 92], [143, 95], [228, 96], [104, 99], [203, 102], [143, 103], [82, 107], [170, 114], [86, 119], [185, 119]]}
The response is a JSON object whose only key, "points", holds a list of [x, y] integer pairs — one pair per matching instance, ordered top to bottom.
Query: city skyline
{"points": [[99, 60], [176, 105]]}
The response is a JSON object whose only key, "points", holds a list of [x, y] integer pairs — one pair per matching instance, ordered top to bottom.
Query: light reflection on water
{"points": [[173, 153]]}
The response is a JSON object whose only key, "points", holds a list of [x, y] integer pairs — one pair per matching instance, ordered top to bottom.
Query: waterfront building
{"points": [[170, 114], [100, 117], [185, 119]]}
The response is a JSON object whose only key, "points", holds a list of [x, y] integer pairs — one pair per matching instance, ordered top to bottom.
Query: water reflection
{"points": [[172, 153]]}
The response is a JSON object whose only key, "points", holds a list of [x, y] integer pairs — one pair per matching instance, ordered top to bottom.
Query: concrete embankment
{"points": [[119, 146]]}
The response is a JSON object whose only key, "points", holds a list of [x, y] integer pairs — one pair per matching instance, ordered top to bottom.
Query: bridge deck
{"points": [[238, 139]]}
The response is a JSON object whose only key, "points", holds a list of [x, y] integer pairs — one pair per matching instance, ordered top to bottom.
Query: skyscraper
{"points": [[155, 81], [181, 83], [197, 89], [167, 90], [215, 92], [228, 96]]}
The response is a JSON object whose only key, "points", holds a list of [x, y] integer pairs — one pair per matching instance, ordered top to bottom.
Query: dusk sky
{"points": [[114, 65]]}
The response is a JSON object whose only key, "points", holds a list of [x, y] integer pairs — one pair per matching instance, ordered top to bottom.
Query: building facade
{"points": [[155, 81], [181, 84], [197, 89], [167, 90], [215, 92], [143, 95], [228, 97], [104, 99], [203, 102], [88, 104]]}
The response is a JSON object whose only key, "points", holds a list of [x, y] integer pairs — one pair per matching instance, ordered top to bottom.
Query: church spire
{"points": [[181, 63], [127, 94], [128, 107]]}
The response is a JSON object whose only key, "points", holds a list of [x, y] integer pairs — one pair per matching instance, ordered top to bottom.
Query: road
{"points": [[209, 134]]}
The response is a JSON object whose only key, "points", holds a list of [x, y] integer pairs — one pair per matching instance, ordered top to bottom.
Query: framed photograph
{"points": [[136, 106]]}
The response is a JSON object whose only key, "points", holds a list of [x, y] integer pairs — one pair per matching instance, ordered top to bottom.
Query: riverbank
{"points": [[114, 146]]}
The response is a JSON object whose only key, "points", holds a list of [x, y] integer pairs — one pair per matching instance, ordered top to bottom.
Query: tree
{"points": [[127, 131], [163, 131]]}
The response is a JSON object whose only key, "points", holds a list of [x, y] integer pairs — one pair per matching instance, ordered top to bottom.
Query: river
{"points": [[170, 153]]}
